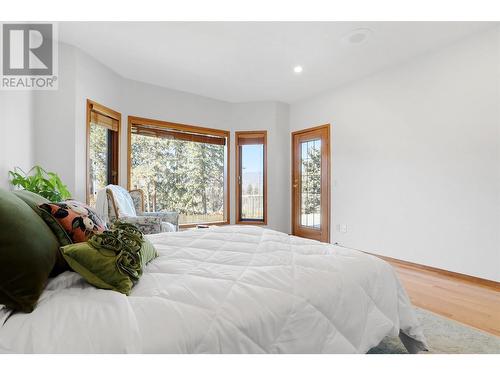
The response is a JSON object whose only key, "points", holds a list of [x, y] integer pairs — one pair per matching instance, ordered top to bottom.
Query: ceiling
{"points": [[254, 61]]}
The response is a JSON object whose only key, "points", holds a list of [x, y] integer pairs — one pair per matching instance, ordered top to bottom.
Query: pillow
{"points": [[34, 200], [78, 220], [130, 232], [28, 251], [147, 253], [111, 260], [97, 266]]}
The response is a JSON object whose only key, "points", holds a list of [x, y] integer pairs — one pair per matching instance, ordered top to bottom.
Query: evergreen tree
{"points": [[187, 177], [311, 180]]}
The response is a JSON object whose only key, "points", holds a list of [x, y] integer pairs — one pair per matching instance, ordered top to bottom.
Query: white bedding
{"points": [[231, 289]]}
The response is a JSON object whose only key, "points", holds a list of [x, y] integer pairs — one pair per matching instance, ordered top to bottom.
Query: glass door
{"points": [[311, 183]]}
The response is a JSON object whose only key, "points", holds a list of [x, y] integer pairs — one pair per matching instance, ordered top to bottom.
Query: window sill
{"points": [[250, 222], [187, 226]]}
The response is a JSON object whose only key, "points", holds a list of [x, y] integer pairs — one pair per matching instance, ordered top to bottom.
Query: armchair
{"points": [[129, 207]]}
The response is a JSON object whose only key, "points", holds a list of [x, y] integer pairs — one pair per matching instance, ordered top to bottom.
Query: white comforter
{"points": [[232, 289]]}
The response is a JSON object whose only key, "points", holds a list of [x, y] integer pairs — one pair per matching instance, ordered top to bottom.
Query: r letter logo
{"points": [[29, 56]]}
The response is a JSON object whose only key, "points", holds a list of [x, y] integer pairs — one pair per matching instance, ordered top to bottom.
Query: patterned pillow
{"points": [[78, 220]]}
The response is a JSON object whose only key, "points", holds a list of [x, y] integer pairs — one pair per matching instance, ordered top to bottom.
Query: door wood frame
{"points": [[92, 106], [324, 234]]}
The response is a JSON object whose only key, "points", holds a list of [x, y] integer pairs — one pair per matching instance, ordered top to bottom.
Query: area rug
{"points": [[445, 336]]}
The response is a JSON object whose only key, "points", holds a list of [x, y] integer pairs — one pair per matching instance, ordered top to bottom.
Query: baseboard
{"points": [[472, 279]]}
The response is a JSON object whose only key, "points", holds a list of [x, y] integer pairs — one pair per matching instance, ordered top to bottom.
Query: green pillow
{"points": [[34, 200], [129, 233], [28, 251], [147, 253], [111, 260], [97, 266]]}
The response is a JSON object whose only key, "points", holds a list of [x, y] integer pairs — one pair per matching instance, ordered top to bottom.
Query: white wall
{"points": [[99, 83], [144, 100], [54, 114], [62, 117], [272, 117], [16, 133], [416, 158]]}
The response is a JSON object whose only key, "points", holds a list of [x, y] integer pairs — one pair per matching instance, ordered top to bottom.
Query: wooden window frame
{"points": [[146, 122], [238, 136], [115, 149]]}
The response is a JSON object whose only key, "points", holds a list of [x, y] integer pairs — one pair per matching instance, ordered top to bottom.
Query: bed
{"points": [[228, 289]]}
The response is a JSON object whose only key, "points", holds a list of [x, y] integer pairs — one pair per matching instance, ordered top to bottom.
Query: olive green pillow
{"points": [[34, 200], [28, 251], [147, 253], [111, 260], [97, 266]]}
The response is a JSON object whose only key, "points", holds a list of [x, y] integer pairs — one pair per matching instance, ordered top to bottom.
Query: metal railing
{"points": [[252, 206]]}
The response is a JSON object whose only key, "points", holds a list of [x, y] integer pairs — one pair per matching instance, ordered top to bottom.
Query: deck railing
{"points": [[252, 206]]}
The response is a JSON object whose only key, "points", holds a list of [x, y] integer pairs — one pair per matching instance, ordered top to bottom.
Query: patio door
{"points": [[311, 183]]}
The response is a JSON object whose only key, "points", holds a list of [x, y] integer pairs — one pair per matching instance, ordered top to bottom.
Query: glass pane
{"points": [[99, 163], [182, 176], [252, 182], [310, 202]]}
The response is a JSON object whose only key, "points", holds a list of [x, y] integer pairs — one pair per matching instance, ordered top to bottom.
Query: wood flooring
{"points": [[475, 303]]}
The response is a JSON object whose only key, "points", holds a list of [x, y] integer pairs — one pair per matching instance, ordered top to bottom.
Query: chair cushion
{"points": [[78, 220], [28, 251]]}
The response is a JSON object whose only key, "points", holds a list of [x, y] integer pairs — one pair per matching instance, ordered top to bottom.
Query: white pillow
{"points": [[167, 227]]}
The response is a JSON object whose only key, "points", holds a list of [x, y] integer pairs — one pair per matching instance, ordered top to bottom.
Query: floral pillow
{"points": [[78, 220]]}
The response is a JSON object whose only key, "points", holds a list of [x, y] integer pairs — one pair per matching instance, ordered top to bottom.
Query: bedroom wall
{"points": [[99, 83], [159, 103], [54, 113], [270, 116], [62, 117], [16, 133], [415, 158]]}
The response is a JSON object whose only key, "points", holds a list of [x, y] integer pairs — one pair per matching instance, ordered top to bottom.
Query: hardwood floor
{"points": [[470, 302]]}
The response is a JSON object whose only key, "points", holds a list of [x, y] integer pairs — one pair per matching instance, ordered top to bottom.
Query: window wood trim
{"points": [[92, 106], [146, 122], [245, 138]]}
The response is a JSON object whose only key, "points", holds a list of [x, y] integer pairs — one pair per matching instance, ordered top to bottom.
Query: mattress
{"points": [[228, 289]]}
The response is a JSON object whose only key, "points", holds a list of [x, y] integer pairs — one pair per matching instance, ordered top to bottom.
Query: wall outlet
{"points": [[343, 228]]}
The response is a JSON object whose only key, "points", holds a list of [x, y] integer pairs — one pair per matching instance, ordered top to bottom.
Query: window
{"points": [[103, 134], [180, 168], [251, 177]]}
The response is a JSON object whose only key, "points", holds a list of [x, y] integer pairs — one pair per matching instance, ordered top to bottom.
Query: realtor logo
{"points": [[29, 56]]}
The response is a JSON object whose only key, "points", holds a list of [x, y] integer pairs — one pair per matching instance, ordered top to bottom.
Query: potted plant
{"points": [[41, 182]]}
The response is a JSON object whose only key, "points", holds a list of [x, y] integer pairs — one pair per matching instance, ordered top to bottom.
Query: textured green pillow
{"points": [[34, 200], [130, 234], [28, 251], [111, 260], [98, 267]]}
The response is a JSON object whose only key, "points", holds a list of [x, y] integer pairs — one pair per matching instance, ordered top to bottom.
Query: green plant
{"points": [[41, 182]]}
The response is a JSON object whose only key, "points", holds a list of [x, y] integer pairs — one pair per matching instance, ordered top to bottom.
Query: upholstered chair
{"points": [[128, 206]]}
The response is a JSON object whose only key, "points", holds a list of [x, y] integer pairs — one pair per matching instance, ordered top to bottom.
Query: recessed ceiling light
{"points": [[357, 36], [298, 69]]}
